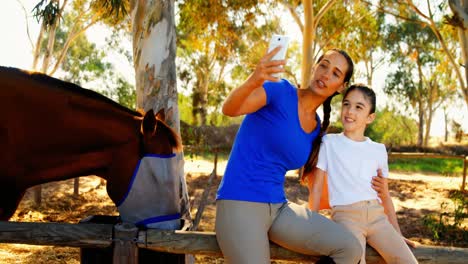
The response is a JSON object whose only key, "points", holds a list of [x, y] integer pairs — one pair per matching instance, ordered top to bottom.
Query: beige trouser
{"points": [[368, 221], [244, 228]]}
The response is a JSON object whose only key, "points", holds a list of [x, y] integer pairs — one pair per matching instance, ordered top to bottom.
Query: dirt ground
{"points": [[414, 196]]}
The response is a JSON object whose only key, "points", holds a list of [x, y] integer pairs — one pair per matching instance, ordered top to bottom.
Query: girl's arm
{"points": [[250, 96], [315, 184], [380, 184]]}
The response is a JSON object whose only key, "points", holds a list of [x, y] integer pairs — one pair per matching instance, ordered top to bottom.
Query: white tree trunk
{"points": [[459, 9], [37, 48], [154, 51], [49, 53]]}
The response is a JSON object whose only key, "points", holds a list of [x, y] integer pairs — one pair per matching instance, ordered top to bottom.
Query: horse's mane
{"points": [[59, 84]]}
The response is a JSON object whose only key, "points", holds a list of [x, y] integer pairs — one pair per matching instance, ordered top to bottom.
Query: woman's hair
{"points": [[366, 91], [312, 161]]}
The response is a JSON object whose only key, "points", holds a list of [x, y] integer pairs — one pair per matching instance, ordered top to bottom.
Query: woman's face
{"points": [[329, 73]]}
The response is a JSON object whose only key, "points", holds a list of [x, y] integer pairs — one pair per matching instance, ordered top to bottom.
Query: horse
{"points": [[52, 130]]}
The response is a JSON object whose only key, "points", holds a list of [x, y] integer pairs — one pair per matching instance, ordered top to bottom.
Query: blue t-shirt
{"points": [[269, 142]]}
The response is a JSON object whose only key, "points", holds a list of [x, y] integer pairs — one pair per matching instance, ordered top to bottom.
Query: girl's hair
{"points": [[366, 91], [312, 161]]}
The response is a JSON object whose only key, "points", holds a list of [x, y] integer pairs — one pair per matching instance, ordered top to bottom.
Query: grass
{"points": [[448, 167]]}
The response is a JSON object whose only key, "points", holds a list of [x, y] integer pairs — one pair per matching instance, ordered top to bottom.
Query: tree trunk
{"points": [[459, 10], [311, 21], [463, 35], [308, 36], [37, 48], [154, 51], [49, 52], [369, 71], [200, 95], [204, 100], [420, 101], [430, 109], [420, 124], [446, 124], [428, 126]]}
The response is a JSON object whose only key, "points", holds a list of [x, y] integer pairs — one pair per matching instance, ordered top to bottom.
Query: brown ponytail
{"points": [[312, 161]]}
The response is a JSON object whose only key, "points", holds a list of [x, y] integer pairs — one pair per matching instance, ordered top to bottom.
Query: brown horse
{"points": [[52, 130]]}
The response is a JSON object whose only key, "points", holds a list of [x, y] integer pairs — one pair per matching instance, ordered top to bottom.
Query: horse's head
{"points": [[158, 137]]}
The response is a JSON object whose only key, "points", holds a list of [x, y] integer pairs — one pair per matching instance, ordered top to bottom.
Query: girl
{"points": [[276, 135], [350, 160]]}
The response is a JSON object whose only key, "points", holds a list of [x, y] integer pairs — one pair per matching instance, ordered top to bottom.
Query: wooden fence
{"points": [[409, 155], [126, 238]]}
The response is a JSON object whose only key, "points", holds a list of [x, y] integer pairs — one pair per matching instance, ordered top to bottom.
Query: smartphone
{"points": [[279, 40], [274, 42]]}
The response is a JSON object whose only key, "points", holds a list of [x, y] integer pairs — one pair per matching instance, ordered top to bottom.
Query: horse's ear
{"points": [[161, 115], [149, 123]]}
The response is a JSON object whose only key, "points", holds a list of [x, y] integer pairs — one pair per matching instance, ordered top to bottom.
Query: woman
{"points": [[276, 136]]}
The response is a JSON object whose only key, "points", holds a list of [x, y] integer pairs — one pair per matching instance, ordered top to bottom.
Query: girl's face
{"points": [[329, 73], [355, 112]]}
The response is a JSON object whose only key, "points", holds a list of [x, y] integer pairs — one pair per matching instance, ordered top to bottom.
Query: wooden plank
{"points": [[56, 234], [204, 243]]}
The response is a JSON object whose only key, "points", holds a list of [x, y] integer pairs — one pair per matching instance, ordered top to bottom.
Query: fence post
{"points": [[76, 187], [206, 192], [37, 195], [125, 247]]}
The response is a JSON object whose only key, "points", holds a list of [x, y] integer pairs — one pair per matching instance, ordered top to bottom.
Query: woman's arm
{"points": [[250, 96], [315, 184], [389, 208]]}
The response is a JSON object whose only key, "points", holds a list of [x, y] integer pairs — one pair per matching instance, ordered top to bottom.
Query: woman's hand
{"points": [[266, 67], [250, 96], [380, 185]]}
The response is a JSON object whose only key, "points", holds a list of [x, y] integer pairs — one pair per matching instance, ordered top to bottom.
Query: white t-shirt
{"points": [[350, 166]]}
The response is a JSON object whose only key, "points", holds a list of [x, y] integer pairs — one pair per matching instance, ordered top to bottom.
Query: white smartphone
{"points": [[279, 40], [274, 42]]}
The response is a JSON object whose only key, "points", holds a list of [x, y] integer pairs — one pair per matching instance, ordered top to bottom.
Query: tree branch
{"points": [[416, 9], [323, 10], [389, 12], [295, 16], [27, 24], [72, 36]]}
